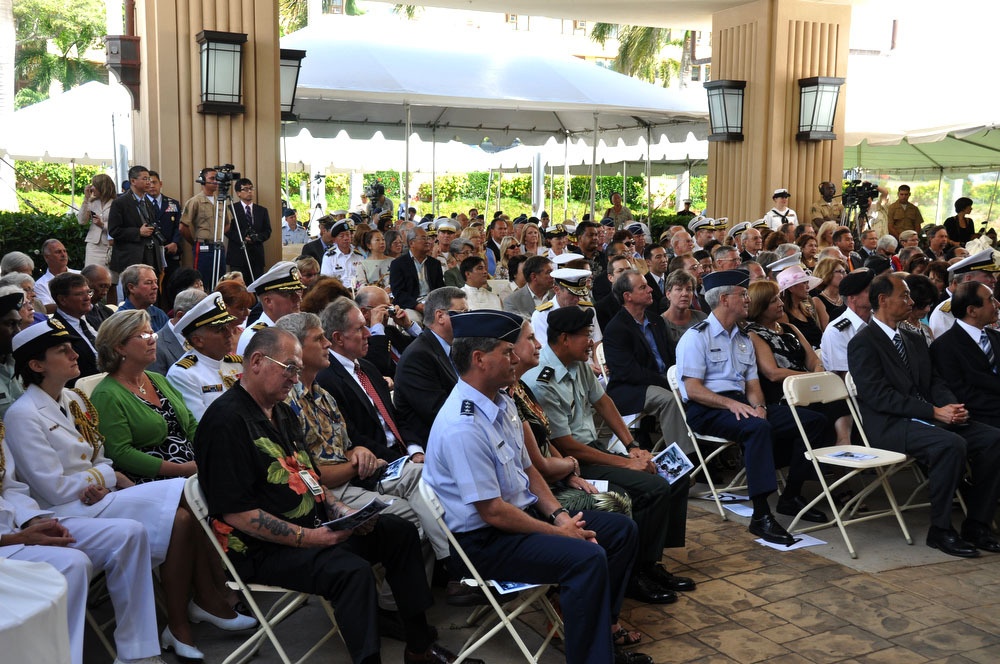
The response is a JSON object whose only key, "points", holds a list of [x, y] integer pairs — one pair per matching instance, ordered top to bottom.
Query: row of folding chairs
{"points": [[869, 464]]}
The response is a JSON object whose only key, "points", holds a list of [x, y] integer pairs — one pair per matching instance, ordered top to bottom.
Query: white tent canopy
{"points": [[476, 94], [82, 125]]}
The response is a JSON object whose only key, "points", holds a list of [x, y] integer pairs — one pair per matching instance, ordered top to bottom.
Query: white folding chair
{"points": [[88, 383], [826, 387], [699, 439], [921, 478], [289, 602], [503, 618]]}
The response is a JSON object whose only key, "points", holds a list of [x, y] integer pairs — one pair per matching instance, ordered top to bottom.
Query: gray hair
{"points": [[410, 235], [48, 243], [460, 243], [887, 243], [787, 249], [722, 251], [16, 261], [130, 276], [17, 279], [622, 285], [714, 297], [440, 299], [186, 300], [334, 317], [298, 324], [114, 332], [264, 341]]}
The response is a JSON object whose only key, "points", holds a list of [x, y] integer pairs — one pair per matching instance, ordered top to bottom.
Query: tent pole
{"points": [[284, 162], [593, 174], [406, 177], [565, 177], [649, 178], [624, 179], [551, 185], [489, 186], [940, 196], [434, 198]]}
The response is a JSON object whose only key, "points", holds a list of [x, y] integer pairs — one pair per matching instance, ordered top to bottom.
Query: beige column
{"points": [[771, 44], [172, 137]]}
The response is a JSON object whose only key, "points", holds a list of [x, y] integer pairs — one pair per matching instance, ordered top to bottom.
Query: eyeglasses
{"points": [[629, 243], [86, 293], [146, 336], [290, 370]]}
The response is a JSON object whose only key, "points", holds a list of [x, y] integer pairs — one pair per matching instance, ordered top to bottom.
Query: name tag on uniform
{"points": [[208, 389], [314, 487]]}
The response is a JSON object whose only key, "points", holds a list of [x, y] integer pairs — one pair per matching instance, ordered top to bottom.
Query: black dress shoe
{"points": [[793, 505], [768, 528], [980, 536], [949, 542], [667, 580], [645, 589], [460, 594], [435, 654], [623, 656]]}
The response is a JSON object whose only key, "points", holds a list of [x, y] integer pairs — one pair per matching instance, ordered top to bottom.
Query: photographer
{"points": [[133, 225], [198, 225], [251, 230]]}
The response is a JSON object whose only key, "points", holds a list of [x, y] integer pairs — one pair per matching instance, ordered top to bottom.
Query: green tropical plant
{"points": [[409, 11], [293, 14], [639, 48], [26, 232]]}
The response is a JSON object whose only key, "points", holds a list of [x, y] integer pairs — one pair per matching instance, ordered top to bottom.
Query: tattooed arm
{"points": [[336, 509], [267, 527]]}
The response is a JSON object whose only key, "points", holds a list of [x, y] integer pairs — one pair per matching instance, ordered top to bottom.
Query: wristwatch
{"points": [[633, 445], [555, 515]]}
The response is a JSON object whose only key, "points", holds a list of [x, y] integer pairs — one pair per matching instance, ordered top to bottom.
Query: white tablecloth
{"points": [[33, 623]]}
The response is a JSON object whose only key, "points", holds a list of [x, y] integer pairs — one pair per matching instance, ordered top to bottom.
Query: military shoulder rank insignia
{"points": [[544, 306], [946, 307], [842, 324], [700, 326], [257, 327], [233, 357], [187, 361], [546, 374], [468, 407]]}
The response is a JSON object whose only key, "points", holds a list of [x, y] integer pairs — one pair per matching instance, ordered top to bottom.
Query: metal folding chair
{"points": [[826, 387], [289, 602], [504, 613]]}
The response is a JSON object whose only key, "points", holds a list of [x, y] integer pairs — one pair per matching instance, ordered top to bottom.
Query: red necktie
{"points": [[369, 389]]}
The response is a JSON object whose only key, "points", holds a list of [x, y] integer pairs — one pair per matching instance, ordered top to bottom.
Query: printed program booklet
{"points": [[672, 464], [356, 519]]}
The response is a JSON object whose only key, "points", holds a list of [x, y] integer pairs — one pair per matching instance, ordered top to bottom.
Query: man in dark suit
{"points": [[169, 217], [132, 222], [249, 231], [317, 248], [657, 261], [411, 287], [537, 288], [72, 296], [608, 305], [387, 342], [170, 344], [638, 354], [965, 355], [425, 374], [358, 387], [908, 408]]}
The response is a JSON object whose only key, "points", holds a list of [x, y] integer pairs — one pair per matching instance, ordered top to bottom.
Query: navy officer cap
{"points": [[723, 278], [857, 281], [11, 302], [570, 319], [489, 323]]}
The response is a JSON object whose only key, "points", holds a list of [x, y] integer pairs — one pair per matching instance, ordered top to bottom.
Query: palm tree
{"points": [[408, 11], [293, 14], [639, 49]]}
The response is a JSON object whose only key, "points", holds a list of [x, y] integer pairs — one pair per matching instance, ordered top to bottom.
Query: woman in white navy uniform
{"points": [[53, 436]]}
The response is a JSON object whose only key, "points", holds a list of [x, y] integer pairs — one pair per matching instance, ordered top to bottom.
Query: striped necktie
{"points": [[984, 343]]}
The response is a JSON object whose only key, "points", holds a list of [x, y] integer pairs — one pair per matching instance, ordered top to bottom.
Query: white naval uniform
{"points": [[774, 219], [346, 267], [482, 298], [941, 318], [247, 334], [836, 336], [201, 380], [57, 464], [116, 546]]}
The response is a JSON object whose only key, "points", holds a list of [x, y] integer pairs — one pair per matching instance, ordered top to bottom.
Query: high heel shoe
{"points": [[196, 614], [189, 653]]}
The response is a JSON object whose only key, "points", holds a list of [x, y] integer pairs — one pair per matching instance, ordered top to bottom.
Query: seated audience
{"points": [[57, 259], [830, 272], [99, 280], [140, 286], [279, 292], [71, 293], [478, 293], [924, 296], [679, 299], [11, 302], [802, 310], [391, 329], [840, 331], [170, 342], [210, 367], [908, 408], [52, 436], [500, 519], [273, 521]]}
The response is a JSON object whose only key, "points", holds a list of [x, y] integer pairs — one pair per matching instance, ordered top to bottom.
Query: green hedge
{"points": [[55, 178], [26, 232]]}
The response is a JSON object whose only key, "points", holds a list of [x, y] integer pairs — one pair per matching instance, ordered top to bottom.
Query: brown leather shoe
{"points": [[460, 594], [435, 654]]}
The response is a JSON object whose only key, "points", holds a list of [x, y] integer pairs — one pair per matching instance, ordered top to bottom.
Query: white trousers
{"points": [[119, 548]]}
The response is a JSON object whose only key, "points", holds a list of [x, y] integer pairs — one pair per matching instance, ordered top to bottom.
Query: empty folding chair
{"points": [[826, 387], [289, 602], [504, 613]]}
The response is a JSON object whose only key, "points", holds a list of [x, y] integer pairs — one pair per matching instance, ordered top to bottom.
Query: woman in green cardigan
{"points": [[147, 428]]}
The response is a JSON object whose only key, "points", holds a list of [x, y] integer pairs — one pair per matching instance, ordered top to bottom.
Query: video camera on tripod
{"points": [[225, 176], [856, 197]]}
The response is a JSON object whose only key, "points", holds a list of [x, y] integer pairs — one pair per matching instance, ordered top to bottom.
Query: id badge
{"points": [[314, 487]]}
